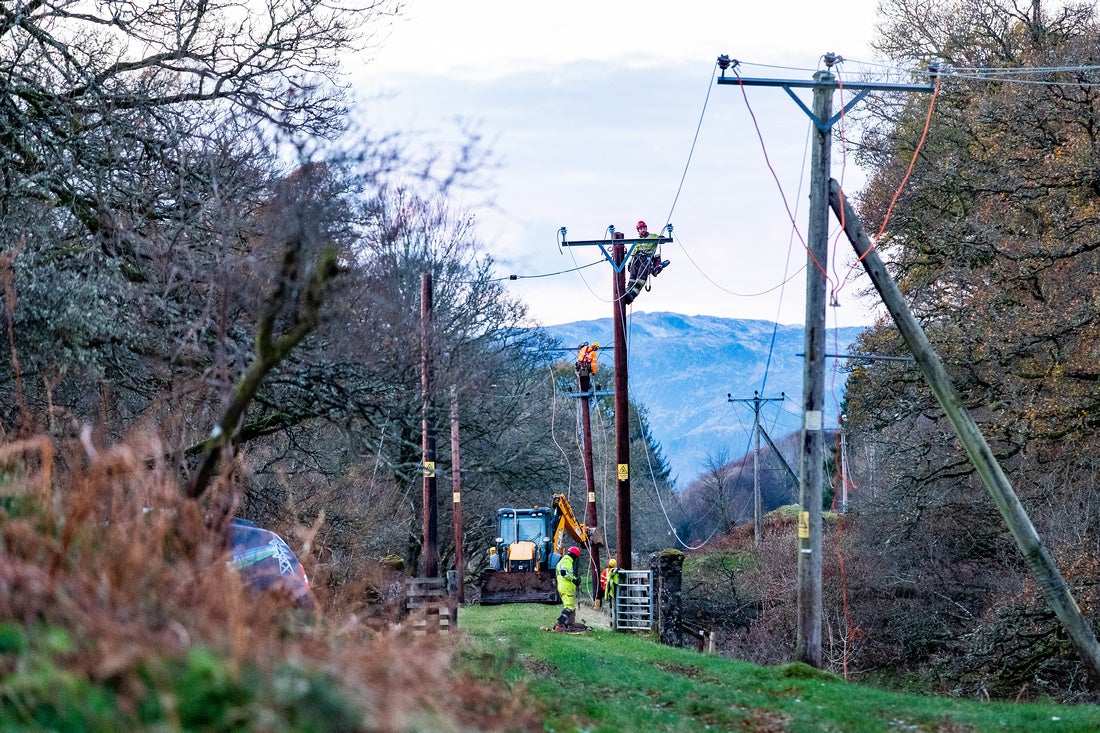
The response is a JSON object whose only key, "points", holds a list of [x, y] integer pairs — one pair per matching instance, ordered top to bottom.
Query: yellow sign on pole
{"points": [[429, 469], [624, 471], [456, 497], [803, 525]]}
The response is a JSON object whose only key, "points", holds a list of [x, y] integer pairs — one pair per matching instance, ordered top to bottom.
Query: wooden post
{"points": [[585, 386], [622, 410], [812, 463], [456, 500], [757, 500], [430, 553], [1039, 560]]}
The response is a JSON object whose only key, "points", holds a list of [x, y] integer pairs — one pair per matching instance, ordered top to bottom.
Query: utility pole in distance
{"points": [[618, 258], [757, 429], [811, 466]]}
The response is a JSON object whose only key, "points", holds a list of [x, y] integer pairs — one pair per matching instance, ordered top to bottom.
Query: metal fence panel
{"points": [[634, 601]]}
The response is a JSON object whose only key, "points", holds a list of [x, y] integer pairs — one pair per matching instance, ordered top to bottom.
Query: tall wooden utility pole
{"points": [[618, 259], [585, 393], [757, 429], [811, 466], [456, 499], [623, 544], [430, 552], [1038, 558]]}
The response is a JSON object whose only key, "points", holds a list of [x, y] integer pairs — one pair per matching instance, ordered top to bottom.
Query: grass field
{"points": [[605, 681]]}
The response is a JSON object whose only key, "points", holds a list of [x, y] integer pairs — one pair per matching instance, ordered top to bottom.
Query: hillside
{"points": [[683, 367]]}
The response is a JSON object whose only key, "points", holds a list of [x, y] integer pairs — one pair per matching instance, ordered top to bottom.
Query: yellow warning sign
{"points": [[429, 469], [624, 471], [456, 497], [803, 525]]}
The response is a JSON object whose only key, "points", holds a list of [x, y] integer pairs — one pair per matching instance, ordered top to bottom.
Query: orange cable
{"points": [[767, 161], [843, 169], [904, 180], [854, 633]]}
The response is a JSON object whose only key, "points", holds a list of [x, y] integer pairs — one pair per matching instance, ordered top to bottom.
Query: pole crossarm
{"points": [[826, 81], [602, 244], [867, 357], [591, 393], [755, 402]]}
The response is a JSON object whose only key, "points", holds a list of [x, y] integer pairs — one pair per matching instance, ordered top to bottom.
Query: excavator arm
{"points": [[564, 522]]}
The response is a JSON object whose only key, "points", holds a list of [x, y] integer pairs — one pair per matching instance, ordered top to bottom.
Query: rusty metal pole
{"points": [[622, 411], [456, 499], [430, 554]]}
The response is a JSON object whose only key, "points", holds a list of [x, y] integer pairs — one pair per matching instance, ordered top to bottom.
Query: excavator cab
{"points": [[524, 540], [526, 551], [521, 564]]}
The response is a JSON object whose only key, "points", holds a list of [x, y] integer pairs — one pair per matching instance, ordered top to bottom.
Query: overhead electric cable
{"points": [[694, 140], [775, 176], [901, 186]]}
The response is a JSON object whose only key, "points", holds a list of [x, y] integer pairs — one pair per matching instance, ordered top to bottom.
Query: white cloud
{"points": [[594, 108]]}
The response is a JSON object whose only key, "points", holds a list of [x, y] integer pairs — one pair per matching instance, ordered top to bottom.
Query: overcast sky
{"points": [[598, 110]]}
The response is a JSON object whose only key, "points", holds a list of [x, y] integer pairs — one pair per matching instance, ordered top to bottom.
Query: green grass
{"points": [[605, 681]]}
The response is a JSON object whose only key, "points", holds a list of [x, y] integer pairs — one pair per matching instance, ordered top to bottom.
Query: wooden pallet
{"points": [[431, 608]]}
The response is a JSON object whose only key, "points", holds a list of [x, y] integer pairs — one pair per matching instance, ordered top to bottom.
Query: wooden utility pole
{"points": [[618, 259], [585, 393], [622, 411], [757, 429], [811, 467], [456, 499], [430, 553], [1038, 558]]}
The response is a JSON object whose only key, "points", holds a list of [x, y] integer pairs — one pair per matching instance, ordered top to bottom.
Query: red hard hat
{"points": [[642, 224], [575, 552]]}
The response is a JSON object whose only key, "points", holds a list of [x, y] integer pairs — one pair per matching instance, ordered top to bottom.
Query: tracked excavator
{"points": [[528, 545]]}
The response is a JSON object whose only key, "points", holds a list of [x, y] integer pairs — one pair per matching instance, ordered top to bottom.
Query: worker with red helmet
{"points": [[643, 262], [567, 589]]}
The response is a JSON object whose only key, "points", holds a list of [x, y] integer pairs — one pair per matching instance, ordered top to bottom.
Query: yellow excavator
{"points": [[528, 545]]}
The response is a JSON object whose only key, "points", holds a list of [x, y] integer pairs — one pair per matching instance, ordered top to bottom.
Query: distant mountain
{"points": [[685, 369]]}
